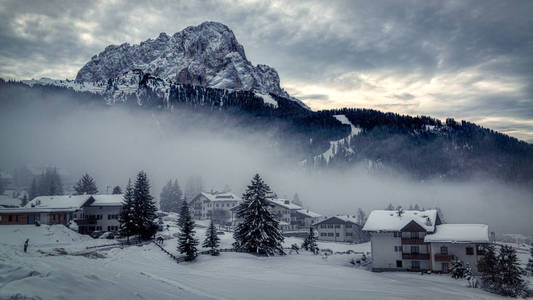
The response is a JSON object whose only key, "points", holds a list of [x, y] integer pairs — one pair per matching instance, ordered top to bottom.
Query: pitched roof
{"points": [[219, 196], [73, 201], [284, 203], [308, 213], [343, 219], [389, 220], [460, 233]]}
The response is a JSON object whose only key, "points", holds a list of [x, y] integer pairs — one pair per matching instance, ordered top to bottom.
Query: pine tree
{"points": [[86, 186], [117, 190], [34, 192], [170, 197], [24, 200], [296, 200], [144, 207], [389, 207], [184, 213], [361, 217], [126, 219], [259, 232], [211, 239], [186, 241], [309, 243], [488, 267], [529, 267], [458, 269], [469, 276], [510, 282]]}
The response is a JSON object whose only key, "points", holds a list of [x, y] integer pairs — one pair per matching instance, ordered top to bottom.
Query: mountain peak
{"points": [[207, 55]]}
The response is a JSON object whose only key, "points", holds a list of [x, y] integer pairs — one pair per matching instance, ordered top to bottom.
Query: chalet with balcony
{"points": [[218, 206], [397, 239], [450, 242]]}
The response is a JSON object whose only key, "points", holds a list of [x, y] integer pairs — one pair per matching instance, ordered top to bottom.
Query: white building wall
{"points": [[459, 251], [383, 254]]}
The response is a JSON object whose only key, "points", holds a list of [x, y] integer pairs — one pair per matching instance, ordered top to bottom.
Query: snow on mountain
{"points": [[208, 55], [334, 145]]}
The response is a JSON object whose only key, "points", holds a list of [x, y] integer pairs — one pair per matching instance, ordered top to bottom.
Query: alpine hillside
{"points": [[204, 69]]}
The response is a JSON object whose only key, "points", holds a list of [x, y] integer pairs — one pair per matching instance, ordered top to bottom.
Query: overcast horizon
{"points": [[467, 60]]}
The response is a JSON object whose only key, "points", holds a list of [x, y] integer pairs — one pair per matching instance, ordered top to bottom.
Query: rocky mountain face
{"points": [[208, 55]]}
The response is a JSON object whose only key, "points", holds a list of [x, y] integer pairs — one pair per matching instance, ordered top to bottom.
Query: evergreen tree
{"points": [[50, 183], [86, 186], [193, 187], [117, 190], [34, 192], [170, 197], [24, 200], [296, 200], [144, 207], [389, 207], [184, 213], [361, 217], [126, 218], [259, 231], [211, 239], [186, 241], [309, 243], [488, 267], [529, 267], [458, 270], [469, 276], [510, 282]]}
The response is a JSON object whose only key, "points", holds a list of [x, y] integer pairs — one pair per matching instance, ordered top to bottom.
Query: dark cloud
{"points": [[336, 45]]}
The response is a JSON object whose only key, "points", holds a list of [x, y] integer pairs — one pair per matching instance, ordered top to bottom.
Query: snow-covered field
{"points": [[145, 272]]}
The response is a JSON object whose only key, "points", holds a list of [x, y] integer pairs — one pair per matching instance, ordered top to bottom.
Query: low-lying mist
{"points": [[114, 143]]}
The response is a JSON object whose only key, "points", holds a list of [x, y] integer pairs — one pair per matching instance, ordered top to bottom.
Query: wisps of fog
{"points": [[113, 143]]}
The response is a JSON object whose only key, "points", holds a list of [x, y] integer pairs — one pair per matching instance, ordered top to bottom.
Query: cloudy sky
{"points": [[469, 60]]}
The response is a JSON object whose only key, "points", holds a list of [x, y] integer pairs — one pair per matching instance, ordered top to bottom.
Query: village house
{"points": [[214, 205], [89, 212], [291, 217], [341, 229], [411, 240], [464, 242]]}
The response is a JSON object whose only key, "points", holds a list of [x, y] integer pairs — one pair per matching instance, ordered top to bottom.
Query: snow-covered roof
{"points": [[220, 196], [108, 200], [7, 201], [63, 201], [74, 201], [284, 203], [309, 213], [344, 218], [389, 220], [460, 233]]}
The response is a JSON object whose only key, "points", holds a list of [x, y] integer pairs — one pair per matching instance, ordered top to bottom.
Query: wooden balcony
{"points": [[413, 241], [418, 256], [443, 257]]}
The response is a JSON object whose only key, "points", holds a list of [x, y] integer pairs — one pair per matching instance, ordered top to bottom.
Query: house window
{"points": [[10, 218], [16, 218], [348, 225], [337, 226], [330, 233], [323, 234], [336, 234], [349, 234], [397, 234], [414, 235], [397, 248], [415, 249], [444, 250], [469, 251], [399, 264], [444, 267]]}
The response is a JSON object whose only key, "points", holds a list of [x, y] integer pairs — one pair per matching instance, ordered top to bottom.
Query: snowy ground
{"points": [[145, 272]]}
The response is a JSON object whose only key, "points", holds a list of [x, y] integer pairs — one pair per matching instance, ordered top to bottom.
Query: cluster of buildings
{"points": [[88, 213], [291, 217], [401, 240]]}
